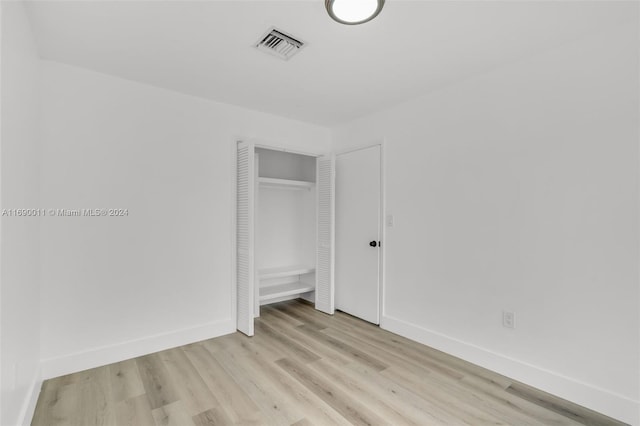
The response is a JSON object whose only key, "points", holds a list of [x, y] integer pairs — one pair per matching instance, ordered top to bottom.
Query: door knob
{"points": [[373, 244]]}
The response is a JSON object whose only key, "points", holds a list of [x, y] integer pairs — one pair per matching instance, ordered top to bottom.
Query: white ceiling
{"points": [[204, 48]]}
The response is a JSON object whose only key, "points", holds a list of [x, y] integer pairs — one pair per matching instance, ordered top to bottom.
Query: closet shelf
{"points": [[284, 183], [286, 271], [283, 290]]}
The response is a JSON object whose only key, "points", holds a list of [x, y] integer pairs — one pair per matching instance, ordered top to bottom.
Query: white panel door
{"points": [[325, 181], [357, 242], [245, 270]]}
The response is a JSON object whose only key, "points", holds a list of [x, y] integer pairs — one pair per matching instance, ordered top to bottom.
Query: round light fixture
{"points": [[353, 12]]}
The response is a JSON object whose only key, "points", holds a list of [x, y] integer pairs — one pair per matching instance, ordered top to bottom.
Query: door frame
{"points": [[383, 234]]}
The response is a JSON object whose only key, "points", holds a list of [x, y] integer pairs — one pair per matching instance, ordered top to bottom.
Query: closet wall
{"points": [[285, 217], [285, 232]]}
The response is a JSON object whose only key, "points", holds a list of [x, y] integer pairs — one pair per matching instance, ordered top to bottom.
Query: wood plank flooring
{"points": [[301, 368]]}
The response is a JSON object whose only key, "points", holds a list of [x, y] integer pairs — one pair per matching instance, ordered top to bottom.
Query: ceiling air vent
{"points": [[280, 44]]}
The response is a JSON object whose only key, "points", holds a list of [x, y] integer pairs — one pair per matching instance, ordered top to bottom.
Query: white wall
{"points": [[19, 152], [518, 190], [285, 218], [285, 227], [117, 287]]}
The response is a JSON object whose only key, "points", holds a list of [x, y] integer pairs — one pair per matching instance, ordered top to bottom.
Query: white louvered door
{"points": [[325, 182], [245, 284]]}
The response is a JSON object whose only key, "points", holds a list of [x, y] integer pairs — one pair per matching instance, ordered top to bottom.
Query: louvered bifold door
{"points": [[325, 181], [245, 182]]}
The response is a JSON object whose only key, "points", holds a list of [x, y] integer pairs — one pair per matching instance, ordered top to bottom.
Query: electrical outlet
{"points": [[509, 319]]}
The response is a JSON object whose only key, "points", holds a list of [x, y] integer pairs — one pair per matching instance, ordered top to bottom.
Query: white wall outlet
{"points": [[390, 220], [509, 319]]}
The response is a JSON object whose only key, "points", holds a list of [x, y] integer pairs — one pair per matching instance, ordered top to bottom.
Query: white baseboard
{"points": [[96, 357], [597, 399], [29, 405]]}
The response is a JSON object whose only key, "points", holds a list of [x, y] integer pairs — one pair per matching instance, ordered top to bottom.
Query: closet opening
{"points": [[285, 227], [284, 230]]}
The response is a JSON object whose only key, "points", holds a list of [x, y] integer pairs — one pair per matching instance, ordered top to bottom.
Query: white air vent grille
{"points": [[280, 44]]}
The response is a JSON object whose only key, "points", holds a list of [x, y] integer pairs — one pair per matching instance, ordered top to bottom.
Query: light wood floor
{"points": [[302, 367]]}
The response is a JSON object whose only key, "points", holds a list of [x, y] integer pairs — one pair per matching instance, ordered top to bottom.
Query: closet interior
{"points": [[285, 226]]}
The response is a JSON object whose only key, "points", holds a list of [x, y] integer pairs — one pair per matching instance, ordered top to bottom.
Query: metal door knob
{"points": [[373, 244]]}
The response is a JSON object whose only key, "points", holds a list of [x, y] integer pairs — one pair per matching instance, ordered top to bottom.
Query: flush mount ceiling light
{"points": [[353, 12]]}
